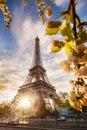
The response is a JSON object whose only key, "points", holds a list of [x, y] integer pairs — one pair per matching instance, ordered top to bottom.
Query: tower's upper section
{"points": [[37, 61], [37, 71]]}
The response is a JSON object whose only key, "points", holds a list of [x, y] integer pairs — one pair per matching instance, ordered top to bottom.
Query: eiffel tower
{"points": [[37, 81]]}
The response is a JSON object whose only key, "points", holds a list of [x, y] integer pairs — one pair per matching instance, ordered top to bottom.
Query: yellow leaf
{"points": [[65, 15], [53, 27], [51, 31], [67, 32], [57, 46], [68, 47], [55, 49], [76, 101], [81, 101], [75, 104]]}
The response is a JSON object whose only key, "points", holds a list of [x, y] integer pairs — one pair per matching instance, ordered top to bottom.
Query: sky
{"points": [[17, 47]]}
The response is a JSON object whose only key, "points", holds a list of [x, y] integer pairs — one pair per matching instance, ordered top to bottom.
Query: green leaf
{"points": [[67, 32], [82, 37]]}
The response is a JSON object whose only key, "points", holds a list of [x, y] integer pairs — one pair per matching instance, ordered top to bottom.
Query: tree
{"points": [[41, 3], [7, 15], [74, 34], [63, 96], [57, 102], [84, 108], [4, 109]]}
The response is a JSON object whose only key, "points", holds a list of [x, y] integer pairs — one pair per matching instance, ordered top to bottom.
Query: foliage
{"points": [[44, 10], [6, 12], [7, 15], [53, 27], [75, 35], [63, 96], [58, 103], [66, 104], [84, 108], [4, 109], [55, 114]]}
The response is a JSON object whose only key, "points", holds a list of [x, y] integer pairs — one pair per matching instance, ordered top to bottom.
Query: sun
{"points": [[25, 102]]}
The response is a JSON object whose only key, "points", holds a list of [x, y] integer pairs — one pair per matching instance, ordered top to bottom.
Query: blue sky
{"points": [[17, 47]]}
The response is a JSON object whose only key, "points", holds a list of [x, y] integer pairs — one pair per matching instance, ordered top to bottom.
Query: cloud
{"points": [[61, 2], [80, 3], [80, 8], [2, 47], [14, 69], [2, 88], [4, 93]]}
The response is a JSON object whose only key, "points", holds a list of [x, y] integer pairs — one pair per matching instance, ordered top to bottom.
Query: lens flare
{"points": [[25, 102]]}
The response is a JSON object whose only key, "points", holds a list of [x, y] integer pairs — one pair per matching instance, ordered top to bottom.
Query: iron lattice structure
{"points": [[37, 72], [37, 79], [37, 82]]}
